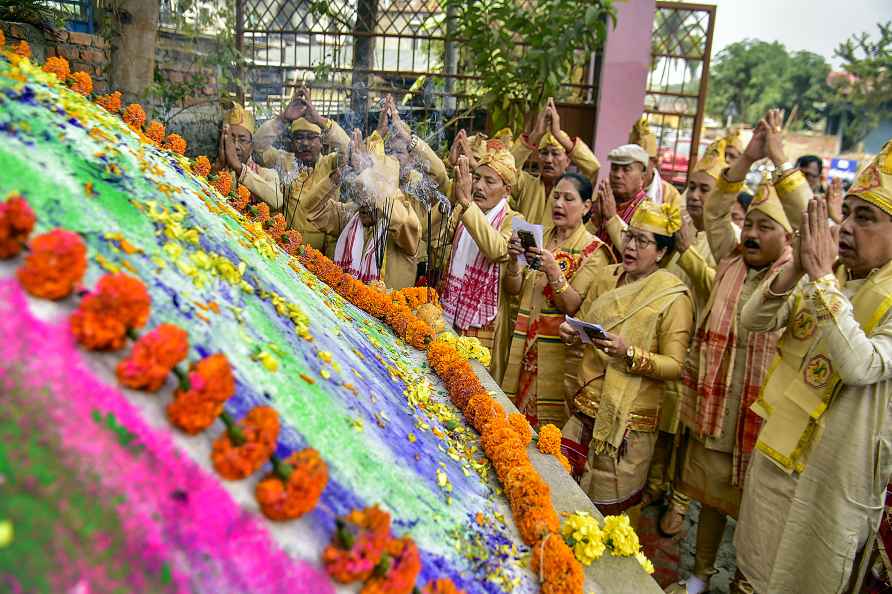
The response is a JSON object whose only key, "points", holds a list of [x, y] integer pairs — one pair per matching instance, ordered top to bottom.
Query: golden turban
{"points": [[235, 115], [302, 125], [641, 135], [506, 136], [732, 138], [548, 139], [375, 144], [478, 145], [500, 160], [713, 161], [874, 183], [767, 202], [662, 219]]}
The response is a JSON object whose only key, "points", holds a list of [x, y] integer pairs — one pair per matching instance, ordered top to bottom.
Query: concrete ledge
{"points": [[613, 575]]}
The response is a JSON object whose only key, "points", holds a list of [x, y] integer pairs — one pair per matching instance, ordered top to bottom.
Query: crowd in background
{"points": [[722, 345]]}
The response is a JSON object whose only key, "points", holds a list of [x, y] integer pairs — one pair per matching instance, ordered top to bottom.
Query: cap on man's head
{"points": [[235, 115], [302, 125], [642, 136], [628, 154], [874, 182]]}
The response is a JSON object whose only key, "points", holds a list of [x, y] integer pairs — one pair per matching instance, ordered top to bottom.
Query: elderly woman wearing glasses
{"points": [[646, 314]]}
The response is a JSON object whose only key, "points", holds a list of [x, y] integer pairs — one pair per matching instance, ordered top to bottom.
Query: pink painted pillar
{"points": [[624, 69]]}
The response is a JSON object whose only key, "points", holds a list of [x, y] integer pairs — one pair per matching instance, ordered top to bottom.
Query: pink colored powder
{"points": [[209, 543]]}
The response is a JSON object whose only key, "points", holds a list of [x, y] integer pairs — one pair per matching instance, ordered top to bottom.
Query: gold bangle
{"points": [[562, 289], [778, 295]]}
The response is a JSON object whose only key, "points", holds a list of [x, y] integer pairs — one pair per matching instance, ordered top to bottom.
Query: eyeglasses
{"points": [[640, 241]]}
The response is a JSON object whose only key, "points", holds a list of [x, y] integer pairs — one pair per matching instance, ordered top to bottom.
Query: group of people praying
{"points": [[717, 345]]}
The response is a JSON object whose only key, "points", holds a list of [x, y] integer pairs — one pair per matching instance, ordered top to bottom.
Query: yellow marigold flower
{"points": [[22, 48], [59, 66], [82, 83], [134, 116], [155, 131], [175, 143], [202, 166], [549, 440], [583, 535], [620, 536], [646, 565]]}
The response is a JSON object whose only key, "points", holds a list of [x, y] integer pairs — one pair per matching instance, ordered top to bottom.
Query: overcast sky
{"points": [[813, 25]]}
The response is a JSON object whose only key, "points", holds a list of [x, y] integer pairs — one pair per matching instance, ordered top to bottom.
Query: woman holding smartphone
{"points": [[549, 286], [647, 316]]}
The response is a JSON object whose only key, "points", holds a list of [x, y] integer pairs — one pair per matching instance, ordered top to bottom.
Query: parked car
{"points": [[673, 161]]}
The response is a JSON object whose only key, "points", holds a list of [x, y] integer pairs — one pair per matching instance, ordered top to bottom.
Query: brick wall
{"points": [[89, 53], [176, 58]]}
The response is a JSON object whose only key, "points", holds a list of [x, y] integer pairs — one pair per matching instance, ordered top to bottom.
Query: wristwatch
{"points": [[630, 355]]}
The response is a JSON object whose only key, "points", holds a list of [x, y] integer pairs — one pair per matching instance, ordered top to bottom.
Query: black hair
{"points": [[806, 160], [582, 183], [584, 187], [744, 199], [665, 241]]}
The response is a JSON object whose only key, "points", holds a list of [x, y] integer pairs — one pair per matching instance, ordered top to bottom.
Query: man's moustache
{"points": [[751, 243]]}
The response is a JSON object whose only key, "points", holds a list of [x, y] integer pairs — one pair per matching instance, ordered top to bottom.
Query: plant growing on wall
{"points": [[523, 51]]}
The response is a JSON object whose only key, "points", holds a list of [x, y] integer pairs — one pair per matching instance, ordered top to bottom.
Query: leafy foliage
{"points": [[33, 12], [213, 20], [524, 51], [749, 77], [864, 97]]}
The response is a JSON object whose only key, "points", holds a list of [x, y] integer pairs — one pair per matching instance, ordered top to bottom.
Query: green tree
{"points": [[524, 51], [748, 77], [864, 97]]}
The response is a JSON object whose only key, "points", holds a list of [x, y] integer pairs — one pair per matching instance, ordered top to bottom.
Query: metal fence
{"points": [[355, 51], [675, 99]]}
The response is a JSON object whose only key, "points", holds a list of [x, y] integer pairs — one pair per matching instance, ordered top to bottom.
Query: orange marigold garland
{"points": [[2, 39], [22, 49], [59, 66], [81, 82], [110, 102], [134, 116], [155, 132], [175, 143], [202, 166], [223, 182], [242, 197], [260, 212], [16, 223], [277, 225], [291, 241], [56, 264], [103, 318], [153, 357], [198, 403], [521, 426], [503, 440], [549, 440], [240, 451], [565, 462], [294, 488], [357, 545], [559, 570], [397, 571], [441, 586]]}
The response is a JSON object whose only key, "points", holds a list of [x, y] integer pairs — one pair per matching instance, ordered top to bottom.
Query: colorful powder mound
{"points": [[99, 493]]}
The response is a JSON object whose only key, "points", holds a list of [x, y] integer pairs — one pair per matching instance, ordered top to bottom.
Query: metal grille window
{"points": [[78, 14], [413, 56], [675, 98]]}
